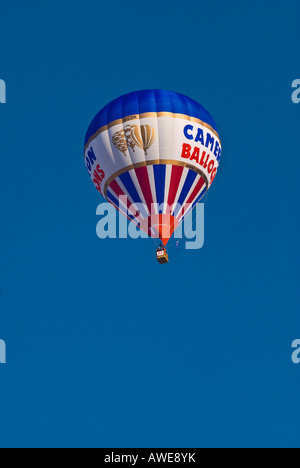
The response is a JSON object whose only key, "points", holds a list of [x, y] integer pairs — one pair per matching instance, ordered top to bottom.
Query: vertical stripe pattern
{"points": [[173, 189]]}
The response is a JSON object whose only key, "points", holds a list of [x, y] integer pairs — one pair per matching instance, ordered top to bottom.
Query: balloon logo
{"points": [[143, 137], [129, 140], [120, 142]]}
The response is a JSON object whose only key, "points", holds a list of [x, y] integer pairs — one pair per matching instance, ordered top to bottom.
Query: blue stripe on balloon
{"points": [[142, 102], [190, 179], [160, 180], [130, 187], [131, 190], [112, 198], [116, 202], [195, 203]]}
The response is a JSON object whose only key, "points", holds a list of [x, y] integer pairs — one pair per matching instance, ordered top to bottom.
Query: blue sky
{"points": [[105, 347]]}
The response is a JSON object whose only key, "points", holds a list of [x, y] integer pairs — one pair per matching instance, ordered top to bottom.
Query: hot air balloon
{"points": [[156, 150]]}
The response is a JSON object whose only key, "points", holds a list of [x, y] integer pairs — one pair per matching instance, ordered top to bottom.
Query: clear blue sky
{"points": [[106, 347]]}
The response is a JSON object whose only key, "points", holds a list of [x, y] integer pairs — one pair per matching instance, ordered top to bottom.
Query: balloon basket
{"points": [[162, 256]]}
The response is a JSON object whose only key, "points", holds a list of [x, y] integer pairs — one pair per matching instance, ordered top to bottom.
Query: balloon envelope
{"points": [[153, 154]]}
